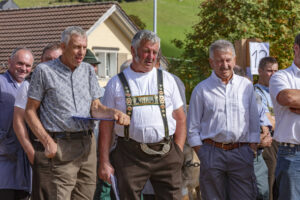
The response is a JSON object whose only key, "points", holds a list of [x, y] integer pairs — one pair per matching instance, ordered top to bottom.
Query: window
{"points": [[109, 63]]}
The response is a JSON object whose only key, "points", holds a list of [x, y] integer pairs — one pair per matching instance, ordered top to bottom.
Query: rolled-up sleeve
{"points": [[278, 83]]}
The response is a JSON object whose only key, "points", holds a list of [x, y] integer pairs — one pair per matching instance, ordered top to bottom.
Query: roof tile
{"points": [[34, 28]]}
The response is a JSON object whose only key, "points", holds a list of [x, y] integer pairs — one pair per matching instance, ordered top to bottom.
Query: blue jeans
{"points": [[288, 173], [261, 174]]}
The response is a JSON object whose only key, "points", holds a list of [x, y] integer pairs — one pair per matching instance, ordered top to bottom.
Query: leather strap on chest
{"points": [[131, 101], [268, 105]]}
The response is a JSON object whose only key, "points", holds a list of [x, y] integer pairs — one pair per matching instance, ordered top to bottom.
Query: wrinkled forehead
{"points": [[223, 53]]}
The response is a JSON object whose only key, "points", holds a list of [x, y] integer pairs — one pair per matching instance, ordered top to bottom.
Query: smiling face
{"points": [[74, 52], [145, 58], [222, 63], [20, 65]]}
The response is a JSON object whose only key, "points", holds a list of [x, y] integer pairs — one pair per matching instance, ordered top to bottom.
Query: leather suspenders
{"points": [[132, 101]]}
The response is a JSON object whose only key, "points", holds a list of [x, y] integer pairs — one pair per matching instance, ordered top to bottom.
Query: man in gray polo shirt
{"points": [[60, 89]]}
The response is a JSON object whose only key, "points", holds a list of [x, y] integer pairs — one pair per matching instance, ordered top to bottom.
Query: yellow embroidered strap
{"points": [[128, 100], [132, 101]]}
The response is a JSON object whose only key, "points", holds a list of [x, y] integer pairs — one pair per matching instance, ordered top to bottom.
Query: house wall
{"points": [[109, 35]]}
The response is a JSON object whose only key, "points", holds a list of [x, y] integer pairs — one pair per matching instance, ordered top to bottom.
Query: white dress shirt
{"points": [[21, 97], [223, 112], [146, 125], [287, 127]]}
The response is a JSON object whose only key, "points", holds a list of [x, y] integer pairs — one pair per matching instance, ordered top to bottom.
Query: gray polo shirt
{"points": [[64, 94]]}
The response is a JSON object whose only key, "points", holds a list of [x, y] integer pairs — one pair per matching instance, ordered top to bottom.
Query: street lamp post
{"points": [[154, 16]]}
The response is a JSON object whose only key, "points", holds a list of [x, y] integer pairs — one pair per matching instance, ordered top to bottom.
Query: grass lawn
{"points": [[40, 3], [174, 17]]}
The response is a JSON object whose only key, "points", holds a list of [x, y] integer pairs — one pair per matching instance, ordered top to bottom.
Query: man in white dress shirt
{"points": [[285, 94], [223, 128], [151, 147]]}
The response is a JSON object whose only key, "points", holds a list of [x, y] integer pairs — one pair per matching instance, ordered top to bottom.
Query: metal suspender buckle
{"points": [[148, 150]]}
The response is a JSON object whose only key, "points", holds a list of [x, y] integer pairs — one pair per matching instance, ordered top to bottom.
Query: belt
{"points": [[70, 134], [225, 146], [297, 146], [158, 148]]}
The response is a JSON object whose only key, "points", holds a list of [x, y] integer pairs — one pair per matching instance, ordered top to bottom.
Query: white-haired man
{"points": [[60, 89], [223, 128], [151, 147]]}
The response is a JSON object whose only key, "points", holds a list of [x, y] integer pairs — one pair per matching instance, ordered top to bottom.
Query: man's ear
{"points": [[63, 47], [296, 49], [132, 51], [9, 61], [211, 62]]}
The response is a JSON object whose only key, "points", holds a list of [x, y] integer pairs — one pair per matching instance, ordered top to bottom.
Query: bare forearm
{"points": [[289, 97], [101, 111], [272, 120], [36, 126], [21, 131], [180, 132], [104, 140]]}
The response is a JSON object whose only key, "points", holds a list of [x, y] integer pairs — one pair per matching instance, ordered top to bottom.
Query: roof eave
{"points": [[120, 18]]}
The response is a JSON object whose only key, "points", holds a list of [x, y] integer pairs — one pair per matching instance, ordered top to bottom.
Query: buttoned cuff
{"points": [[194, 139]]}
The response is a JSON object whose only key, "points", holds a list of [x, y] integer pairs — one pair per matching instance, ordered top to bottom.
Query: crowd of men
{"points": [[47, 153]]}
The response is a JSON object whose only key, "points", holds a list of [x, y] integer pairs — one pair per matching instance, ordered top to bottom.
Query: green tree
{"points": [[137, 21], [273, 21]]}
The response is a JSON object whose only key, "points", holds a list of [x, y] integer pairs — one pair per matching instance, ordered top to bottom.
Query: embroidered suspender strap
{"points": [[161, 99], [128, 100], [145, 100]]}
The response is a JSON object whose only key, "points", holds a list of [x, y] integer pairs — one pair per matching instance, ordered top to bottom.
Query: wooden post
{"points": [[242, 51]]}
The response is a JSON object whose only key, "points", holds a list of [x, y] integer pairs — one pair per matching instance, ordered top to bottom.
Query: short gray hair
{"points": [[71, 30], [144, 35], [221, 45], [15, 51], [266, 61]]}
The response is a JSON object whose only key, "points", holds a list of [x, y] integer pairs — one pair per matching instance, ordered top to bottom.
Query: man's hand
{"points": [[295, 110], [121, 118], [265, 139], [180, 146], [50, 148], [30, 157], [104, 171]]}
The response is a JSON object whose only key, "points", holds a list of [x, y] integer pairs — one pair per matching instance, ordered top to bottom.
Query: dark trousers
{"points": [[270, 157], [133, 168], [227, 174], [9, 194]]}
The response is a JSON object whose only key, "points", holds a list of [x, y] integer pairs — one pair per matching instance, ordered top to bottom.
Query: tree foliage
{"points": [[137, 21], [273, 21]]}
